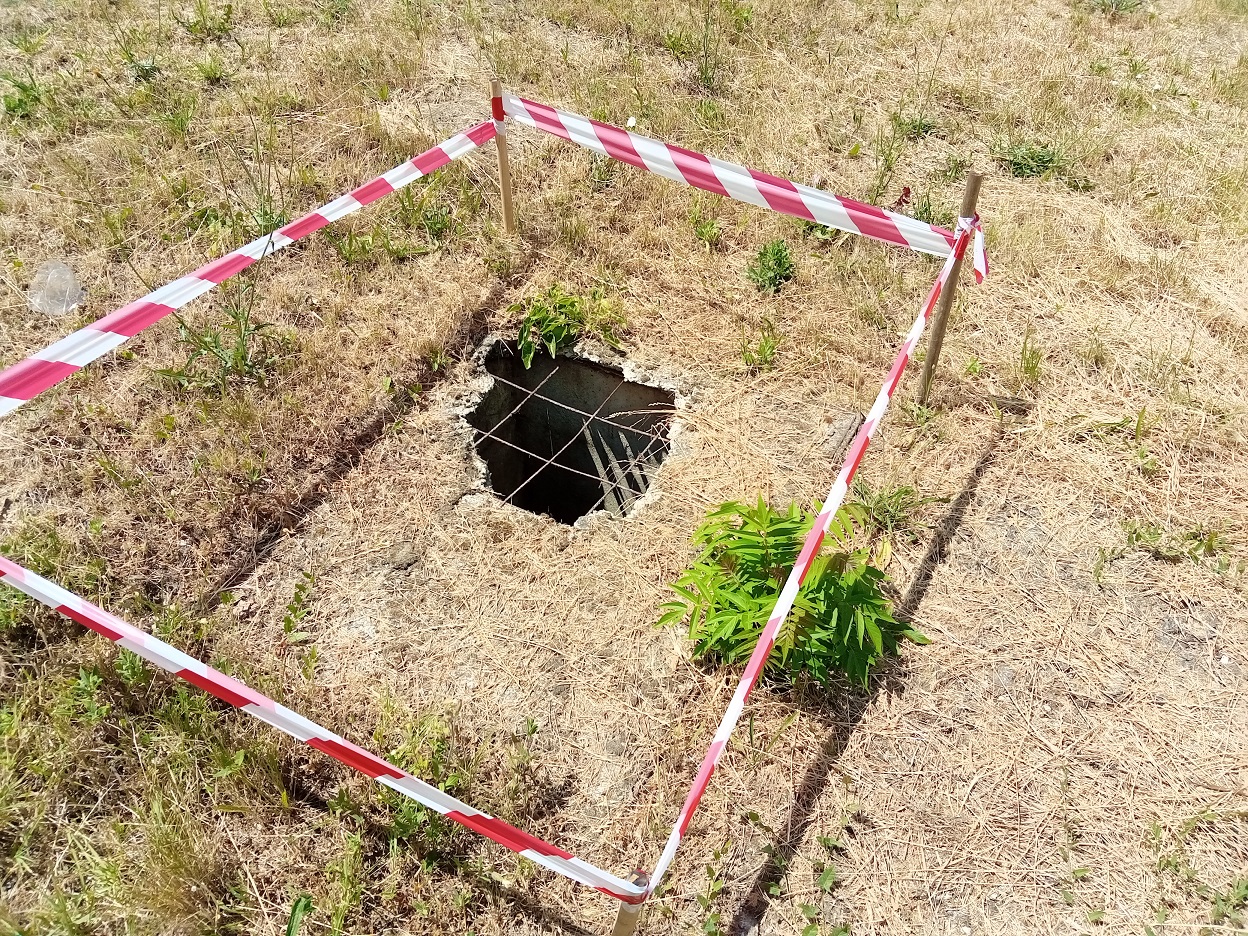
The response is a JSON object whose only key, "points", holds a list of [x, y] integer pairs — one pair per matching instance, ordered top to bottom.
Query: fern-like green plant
{"points": [[556, 319], [841, 623]]}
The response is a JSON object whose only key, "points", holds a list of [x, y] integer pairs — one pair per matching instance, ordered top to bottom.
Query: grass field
{"points": [[279, 483]]}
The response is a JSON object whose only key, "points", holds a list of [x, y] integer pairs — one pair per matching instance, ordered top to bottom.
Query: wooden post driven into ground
{"points": [[504, 167], [936, 338], [627, 917]]}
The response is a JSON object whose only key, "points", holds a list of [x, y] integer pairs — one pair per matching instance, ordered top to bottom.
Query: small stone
{"points": [[1226, 660]]}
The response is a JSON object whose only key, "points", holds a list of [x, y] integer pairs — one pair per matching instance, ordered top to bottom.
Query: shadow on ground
{"points": [[853, 705]]}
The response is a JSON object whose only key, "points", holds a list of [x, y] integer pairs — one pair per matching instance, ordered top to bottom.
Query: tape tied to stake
{"points": [[732, 180], [979, 256], [810, 549]]}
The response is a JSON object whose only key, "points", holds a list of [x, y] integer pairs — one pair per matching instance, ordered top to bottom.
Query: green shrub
{"points": [[1027, 160], [772, 267], [556, 319], [841, 622]]}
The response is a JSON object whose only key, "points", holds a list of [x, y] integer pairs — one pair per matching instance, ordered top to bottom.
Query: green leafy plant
{"points": [[207, 24], [25, 97], [1029, 160], [772, 267], [557, 318], [243, 351], [759, 354], [1030, 360], [297, 610], [841, 622], [298, 910]]}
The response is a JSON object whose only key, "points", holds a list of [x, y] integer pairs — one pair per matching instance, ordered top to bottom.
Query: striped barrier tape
{"points": [[733, 181], [27, 379], [810, 549], [235, 693]]}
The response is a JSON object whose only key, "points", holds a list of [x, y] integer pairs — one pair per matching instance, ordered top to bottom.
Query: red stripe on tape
{"points": [[496, 108], [546, 118], [482, 132], [618, 144], [431, 161], [696, 168], [371, 191], [781, 195], [873, 222], [304, 226], [220, 270], [133, 317], [899, 368], [30, 377], [856, 450], [814, 539], [87, 621], [230, 691], [356, 757], [699, 785], [506, 835]]}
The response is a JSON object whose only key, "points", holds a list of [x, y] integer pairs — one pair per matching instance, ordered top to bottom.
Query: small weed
{"points": [[1115, 8], [334, 12], [283, 15], [206, 23], [29, 41], [212, 72], [25, 97], [709, 113], [179, 115], [913, 126], [890, 142], [1031, 160], [954, 170], [602, 172], [924, 210], [438, 222], [708, 231], [367, 250], [772, 267], [556, 319], [244, 351], [1094, 353], [760, 354], [1030, 361], [974, 367], [890, 512], [1196, 545], [297, 610], [841, 623], [131, 669], [83, 697], [714, 885], [298, 910]]}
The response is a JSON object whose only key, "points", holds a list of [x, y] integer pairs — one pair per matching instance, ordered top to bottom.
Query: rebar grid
{"points": [[580, 412]]}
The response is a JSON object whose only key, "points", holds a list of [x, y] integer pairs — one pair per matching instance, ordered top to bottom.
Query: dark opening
{"points": [[567, 437]]}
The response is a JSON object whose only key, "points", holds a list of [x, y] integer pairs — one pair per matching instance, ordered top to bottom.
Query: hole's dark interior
{"points": [[567, 436]]}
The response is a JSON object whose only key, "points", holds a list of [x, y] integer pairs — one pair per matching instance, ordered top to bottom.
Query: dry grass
{"points": [[1068, 755]]}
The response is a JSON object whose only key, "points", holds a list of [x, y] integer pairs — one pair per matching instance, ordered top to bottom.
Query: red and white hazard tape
{"points": [[733, 181], [46, 368], [784, 603], [233, 692]]}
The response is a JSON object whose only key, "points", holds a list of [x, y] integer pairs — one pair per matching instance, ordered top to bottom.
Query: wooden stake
{"points": [[504, 167], [936, 338], [627, 917]]}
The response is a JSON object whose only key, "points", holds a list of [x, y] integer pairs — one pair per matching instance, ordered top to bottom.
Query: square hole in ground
{"points": [[569, 436]]}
